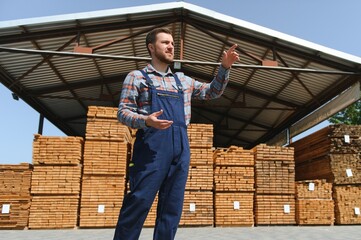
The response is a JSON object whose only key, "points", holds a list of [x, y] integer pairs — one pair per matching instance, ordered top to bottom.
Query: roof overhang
{"points": [[280, 80]]}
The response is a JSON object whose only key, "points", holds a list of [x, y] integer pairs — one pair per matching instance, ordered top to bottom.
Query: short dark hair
{"points": [[151, 36]]}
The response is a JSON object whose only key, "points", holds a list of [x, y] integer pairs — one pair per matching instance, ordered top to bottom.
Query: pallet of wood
{"points": [[102, 124], [200, 135], [57, 150], [107, 151], [331, 153], [233, 156], [106, 157], [274, 170], [200, 175], [56, 177], [234, 178], [275, 185], [234, 186], [15, 195], [101, 200], [314, 203], [347, 204], [197, 209], [234, 209], [274, 209], [54, 212]]}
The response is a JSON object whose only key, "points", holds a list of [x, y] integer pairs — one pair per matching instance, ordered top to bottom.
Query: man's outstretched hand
{"points": [[229, 57], [153, 121]]}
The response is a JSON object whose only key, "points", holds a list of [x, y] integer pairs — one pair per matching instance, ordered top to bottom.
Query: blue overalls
{"points": [[160, 162]]}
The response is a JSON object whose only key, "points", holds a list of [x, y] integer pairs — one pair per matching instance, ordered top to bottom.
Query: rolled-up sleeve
{"points": [[214, 89], [128, 110]]}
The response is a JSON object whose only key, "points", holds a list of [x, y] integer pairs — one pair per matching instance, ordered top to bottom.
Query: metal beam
{"points": [[120, 57]]}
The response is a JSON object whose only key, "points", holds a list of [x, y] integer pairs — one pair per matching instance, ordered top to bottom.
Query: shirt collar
{"points": [[150, 69]]}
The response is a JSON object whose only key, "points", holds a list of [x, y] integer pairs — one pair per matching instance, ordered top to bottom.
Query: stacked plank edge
{"points": [[333, 153], [106, 154], [55, 182], [275, 185], [234, 187], [15, 195], [314, 203]]}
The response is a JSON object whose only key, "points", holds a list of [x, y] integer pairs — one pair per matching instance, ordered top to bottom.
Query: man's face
{"points": [[163, 48]]}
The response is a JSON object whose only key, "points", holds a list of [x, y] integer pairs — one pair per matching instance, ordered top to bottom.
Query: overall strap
{"points": [[147, 78], [179, 84]]}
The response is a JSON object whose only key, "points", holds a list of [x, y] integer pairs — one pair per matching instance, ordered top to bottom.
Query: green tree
{"points": [[349, 116]]}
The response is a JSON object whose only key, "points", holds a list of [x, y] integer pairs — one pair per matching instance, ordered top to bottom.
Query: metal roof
{"points": [[280, 80]]}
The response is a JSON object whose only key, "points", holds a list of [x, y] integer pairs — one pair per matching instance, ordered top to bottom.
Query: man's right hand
{"points": [[153, 121]]}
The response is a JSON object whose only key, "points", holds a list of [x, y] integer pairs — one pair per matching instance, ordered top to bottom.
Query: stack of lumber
{"points": [[200, 135], [331, 153], [106, 154], [200, 175], [200, 180], [55, 182], [199, 185], [275, 185], [234, 186], [14, 195], [314, 203], [347, 204], [197, 209]]}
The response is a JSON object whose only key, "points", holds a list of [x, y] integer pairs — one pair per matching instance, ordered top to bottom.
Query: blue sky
{"points": [[333, 24]]}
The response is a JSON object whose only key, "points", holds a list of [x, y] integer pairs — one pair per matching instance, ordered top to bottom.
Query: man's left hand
{"points": [[229, 57]]}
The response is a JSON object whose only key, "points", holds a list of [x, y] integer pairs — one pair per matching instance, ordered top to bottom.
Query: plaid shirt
{"points": [[135, 105]]}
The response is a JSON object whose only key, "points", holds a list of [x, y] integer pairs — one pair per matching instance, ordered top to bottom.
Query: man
{"points": [[157, 102]]}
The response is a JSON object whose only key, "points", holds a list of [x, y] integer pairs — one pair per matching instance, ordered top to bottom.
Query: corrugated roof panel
{"points": [[41, 77]]}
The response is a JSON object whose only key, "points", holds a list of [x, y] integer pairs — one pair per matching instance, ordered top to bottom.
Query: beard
{"points": [[164, 57]]}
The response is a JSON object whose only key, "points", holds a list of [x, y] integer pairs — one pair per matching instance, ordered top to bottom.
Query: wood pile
{"points": [[200, 135], [332, 153], [106, 154], [55, 182], [199, 184], [275, 185], [234, 186], [15, 195], [314, 203], [347, 204], [197, 209], [234, 209]]}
